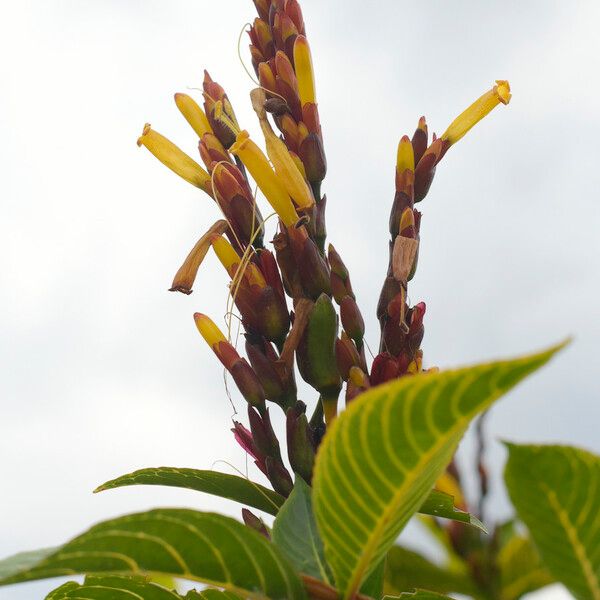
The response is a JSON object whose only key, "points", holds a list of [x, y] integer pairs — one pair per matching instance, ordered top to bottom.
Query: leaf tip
{"points": [[475, 522]]}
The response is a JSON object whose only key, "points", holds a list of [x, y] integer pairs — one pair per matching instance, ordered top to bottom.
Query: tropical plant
{"points": [[353, 478]]}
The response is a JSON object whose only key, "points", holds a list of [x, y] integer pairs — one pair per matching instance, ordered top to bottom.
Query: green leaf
{"points": [[382, 456], [223, 485], [556, 491], [440, 504], [295, 533], [186, 544], [22, 561], [521, 568], [406, 570], [373, 584], [113, 588], [128, 588], [212, 595], [418, 595]]}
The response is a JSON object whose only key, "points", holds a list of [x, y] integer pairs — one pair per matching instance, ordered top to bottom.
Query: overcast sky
{"points": [[102, 369]]}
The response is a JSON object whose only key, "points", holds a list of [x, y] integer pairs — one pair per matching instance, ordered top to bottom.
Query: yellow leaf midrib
{"points": [[578, 547]]}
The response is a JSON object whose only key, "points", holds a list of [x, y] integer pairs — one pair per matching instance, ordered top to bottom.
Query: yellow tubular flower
{"points": [[304, 71], [500, 93], [193, 114], [406, 155], [174, 158], [286, 168], [260, 169], [226, 254], [231, 260], [185, 277], [208, 330]]}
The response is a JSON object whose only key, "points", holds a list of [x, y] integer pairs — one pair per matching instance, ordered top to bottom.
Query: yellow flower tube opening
{"points": [[499, 94], [174, 158]]}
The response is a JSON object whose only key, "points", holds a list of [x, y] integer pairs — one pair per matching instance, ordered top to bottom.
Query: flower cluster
{"points": [[296, 300]]}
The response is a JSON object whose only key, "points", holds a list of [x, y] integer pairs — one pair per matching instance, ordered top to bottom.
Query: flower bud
{"points": [[262, 8], [292, 10], [288, 33], [260, 36], [285, 71], [304, 71], [266, 78], [287, 85], [219, 111], [193, 114], [420, 140], [212, 151], [312, 155], [406, 156], [425, 169], [235, 199], [402, 201], [287, 264], [268, 267], [313, 270], [339, 276], [391, 288], [352, 320], [416, 330], [316, 354], [346, 356], [384, 368], [242, 373], [269, 377], [247, 382], [358, 382], [263, 435], [243, 437], [301, 452], [279, 476], [254, 522]]}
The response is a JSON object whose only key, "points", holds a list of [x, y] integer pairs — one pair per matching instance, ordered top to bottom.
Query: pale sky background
{"points": [[102, 369]]}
